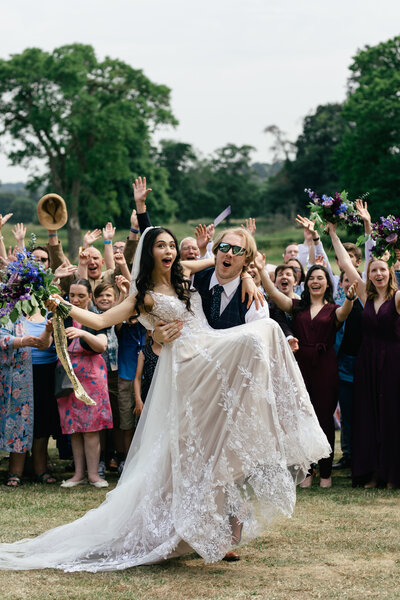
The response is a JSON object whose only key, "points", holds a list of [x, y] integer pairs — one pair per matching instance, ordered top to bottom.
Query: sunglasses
{"points": [[236, 250]]}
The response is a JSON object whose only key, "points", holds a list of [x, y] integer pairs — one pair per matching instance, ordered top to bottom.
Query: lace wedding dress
{"points": [[227, 431]]}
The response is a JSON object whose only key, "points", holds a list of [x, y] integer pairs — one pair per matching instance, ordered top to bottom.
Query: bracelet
{"points": [[133, 230], [52, 235], [1, 238], [316, 239], [108, 241], [248, 276], [351, 298]]}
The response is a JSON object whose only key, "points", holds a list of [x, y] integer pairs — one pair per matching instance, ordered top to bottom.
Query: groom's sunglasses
{"points": [[236, 250]]}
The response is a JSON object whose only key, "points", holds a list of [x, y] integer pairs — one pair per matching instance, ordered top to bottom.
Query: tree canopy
{"points": [[91, 122], [368, 156]]}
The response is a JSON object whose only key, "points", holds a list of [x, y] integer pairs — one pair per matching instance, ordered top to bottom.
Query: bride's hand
{"points": [[165, 333]]}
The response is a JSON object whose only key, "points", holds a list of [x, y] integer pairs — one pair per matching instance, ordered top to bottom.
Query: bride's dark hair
{"points": [[144, 281]]}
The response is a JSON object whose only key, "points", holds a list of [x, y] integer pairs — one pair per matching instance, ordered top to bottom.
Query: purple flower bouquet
{"points": [[336, 209], [386, 235], [24, 288]]}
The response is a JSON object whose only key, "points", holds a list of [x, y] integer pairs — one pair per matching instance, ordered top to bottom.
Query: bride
{"points": [[227, 431]]}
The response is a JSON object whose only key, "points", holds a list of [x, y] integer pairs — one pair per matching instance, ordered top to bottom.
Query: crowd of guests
{"points": [[344, 331]]}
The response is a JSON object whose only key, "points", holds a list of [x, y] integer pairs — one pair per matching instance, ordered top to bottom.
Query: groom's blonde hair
{"points": [[248, 242]]}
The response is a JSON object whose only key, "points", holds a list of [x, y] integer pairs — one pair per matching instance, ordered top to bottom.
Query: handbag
{"points": [[62, 383]]}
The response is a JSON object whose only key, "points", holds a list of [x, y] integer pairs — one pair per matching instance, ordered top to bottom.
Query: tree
{"points": [[90, 121], [368, 158], [180, 162], [312, 166], [232, 180], [23, 209]]}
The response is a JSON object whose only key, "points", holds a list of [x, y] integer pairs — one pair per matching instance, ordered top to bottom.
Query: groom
{"points": [[220, 287]]}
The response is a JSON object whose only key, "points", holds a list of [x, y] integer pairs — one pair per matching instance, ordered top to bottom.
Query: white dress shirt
{"points": [[253, 314]]}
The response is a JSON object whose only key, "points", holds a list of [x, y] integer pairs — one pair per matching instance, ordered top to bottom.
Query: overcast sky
{"points": [[233, 66]]}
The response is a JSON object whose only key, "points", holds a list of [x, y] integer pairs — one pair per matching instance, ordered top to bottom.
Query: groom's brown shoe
{"points": [[231, 556]]}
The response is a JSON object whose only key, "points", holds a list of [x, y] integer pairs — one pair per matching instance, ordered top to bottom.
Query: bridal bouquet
{"points": [[336, 209], [386, 235], [24, 288]]}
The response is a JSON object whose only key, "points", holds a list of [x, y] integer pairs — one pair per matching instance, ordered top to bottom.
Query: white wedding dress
{"points": [[228, 429]]}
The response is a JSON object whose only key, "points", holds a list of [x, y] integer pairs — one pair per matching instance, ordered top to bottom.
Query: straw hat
{"points": [[52, 211]]}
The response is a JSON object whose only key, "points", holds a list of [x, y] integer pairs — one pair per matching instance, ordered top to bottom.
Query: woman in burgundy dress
{"points": [[316, 320], [376, 412]]}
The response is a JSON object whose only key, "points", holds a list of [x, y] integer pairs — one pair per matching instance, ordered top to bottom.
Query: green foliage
{"points": [[90, 120], [368, 157], [313, 166], [23, 209]]}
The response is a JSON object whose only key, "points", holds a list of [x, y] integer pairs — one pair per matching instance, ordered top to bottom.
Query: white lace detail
{"points": [[227, 430]]}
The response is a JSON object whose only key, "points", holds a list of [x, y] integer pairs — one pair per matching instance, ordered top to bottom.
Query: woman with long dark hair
{"points": [[316, 319], [376, 409], [226, 432]]}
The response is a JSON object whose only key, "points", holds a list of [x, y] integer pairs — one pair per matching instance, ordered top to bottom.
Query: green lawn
{"points": [[341, 543]]}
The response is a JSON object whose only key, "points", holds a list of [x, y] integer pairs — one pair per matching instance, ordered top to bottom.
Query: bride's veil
{"points": [[136, 261], [134, 449]]}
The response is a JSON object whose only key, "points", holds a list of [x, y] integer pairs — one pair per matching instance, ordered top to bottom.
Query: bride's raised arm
{"points": [[191, 267], [117, 314]]}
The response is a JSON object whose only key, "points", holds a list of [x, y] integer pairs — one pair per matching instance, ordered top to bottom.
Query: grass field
{"points": [[341, 543]]}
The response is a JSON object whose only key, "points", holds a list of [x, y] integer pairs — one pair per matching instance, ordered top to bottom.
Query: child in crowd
{"points": [[105, 297], [147, 362]]}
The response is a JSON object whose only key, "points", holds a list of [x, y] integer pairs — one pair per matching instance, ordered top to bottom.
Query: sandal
{"points": [[46, 478], [13, 480]]}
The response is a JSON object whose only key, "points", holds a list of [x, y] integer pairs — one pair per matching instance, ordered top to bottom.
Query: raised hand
{"points": [[140, 191], [363, 212], [4, 219], [134, 220], [250, 225], [308, 226], [19, 231], [108, 231], [210, 232], [201, 236], [90, 237], [12, 254], [84, 258], [120, 260], [320, 260], [260, 261], [65, 269], [122, 284], [352, 291]]}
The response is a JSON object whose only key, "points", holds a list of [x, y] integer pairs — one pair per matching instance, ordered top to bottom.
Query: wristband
{"points": [[133, 230], [52, 235], [1, 238], [316, 239], [108, 241], [351, 298]]}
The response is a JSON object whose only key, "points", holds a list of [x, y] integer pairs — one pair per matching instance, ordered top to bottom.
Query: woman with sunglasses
{"points": [[226, 431]]}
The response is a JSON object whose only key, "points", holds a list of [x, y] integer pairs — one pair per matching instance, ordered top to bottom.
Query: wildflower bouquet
{"points": [[336, 209], [386, 235], [24, 288]]}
